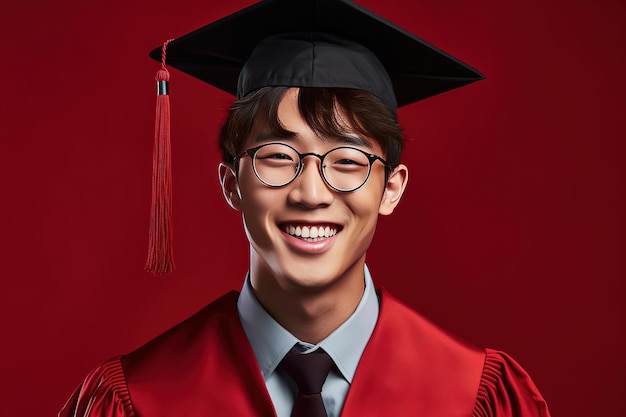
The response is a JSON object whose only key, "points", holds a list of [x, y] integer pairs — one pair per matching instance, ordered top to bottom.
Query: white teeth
{"points": [[310, 232]]}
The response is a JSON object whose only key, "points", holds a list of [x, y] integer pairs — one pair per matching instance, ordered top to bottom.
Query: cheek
{"points": [[252, 191], [257, 198], [366, 201], [258, 205], [364, 207], [256, 221]]}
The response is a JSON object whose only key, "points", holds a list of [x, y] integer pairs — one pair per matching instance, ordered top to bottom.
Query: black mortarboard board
{"points": [[293, 43], [317, 43]]}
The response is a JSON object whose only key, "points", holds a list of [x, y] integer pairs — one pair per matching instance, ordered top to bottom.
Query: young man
{"points": [[311, 158]]}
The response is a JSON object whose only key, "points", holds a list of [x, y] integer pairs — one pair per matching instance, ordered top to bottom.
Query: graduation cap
{"points": [[295, 43], [315, 43]]}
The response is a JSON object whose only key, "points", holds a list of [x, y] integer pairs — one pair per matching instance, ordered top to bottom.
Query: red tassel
{"points": [[160, 250]]}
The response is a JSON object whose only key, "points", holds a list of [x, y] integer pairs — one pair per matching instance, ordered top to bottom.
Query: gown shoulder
{"points": [[506, 390], [102, 393]]}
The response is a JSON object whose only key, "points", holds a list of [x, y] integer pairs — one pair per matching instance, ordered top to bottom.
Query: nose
{"points": [[309, 189]]}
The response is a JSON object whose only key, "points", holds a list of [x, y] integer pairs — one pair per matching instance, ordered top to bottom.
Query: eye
{"points": [[276, 153], [273, 155], [277, 156], [346, 158], [346, 161]]}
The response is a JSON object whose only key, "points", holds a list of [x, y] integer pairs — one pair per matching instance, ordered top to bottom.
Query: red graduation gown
{"points": [[205, 367]]}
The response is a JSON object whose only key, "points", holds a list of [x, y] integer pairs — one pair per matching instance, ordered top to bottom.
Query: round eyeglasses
{"points": [[343, 169]]}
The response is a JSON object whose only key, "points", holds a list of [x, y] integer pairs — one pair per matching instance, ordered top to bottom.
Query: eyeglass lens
{"points": [[344, 169]]}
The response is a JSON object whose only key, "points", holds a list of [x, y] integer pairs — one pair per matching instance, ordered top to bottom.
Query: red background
{"points": [[511, 233]]}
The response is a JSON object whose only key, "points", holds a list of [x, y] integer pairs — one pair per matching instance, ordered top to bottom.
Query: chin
{"points": [[314, 275], [308, 280]]}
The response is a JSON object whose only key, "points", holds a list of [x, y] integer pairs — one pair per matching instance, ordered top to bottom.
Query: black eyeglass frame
{"points": [[251, 152]]}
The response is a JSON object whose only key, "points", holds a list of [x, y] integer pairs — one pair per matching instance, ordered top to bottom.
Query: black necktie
{"points": [[308, 371]]}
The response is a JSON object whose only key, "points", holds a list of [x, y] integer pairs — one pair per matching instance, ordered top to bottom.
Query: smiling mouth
{"points": [[310, 233]]}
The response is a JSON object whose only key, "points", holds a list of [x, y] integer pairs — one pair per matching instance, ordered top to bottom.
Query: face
{"points": [[305, 236]]}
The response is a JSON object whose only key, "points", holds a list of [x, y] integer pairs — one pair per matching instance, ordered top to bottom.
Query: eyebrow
{"points": [[264, 136], [349, 139], [354, 140]]}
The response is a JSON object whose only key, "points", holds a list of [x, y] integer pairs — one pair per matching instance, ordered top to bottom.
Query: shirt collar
{"points": [[271, 342]]}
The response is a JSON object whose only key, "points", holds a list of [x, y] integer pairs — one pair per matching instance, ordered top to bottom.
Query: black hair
{"points": [[363, 112]]}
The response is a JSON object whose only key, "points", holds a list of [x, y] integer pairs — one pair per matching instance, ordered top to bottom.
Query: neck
{"points": [[310, 314]]}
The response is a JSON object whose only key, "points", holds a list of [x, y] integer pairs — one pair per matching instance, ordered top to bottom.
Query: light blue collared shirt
{"points": [[271, 342]]}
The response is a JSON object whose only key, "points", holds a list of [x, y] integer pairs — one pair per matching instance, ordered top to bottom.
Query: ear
{"points": [[396, 183], [230, 186]]}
